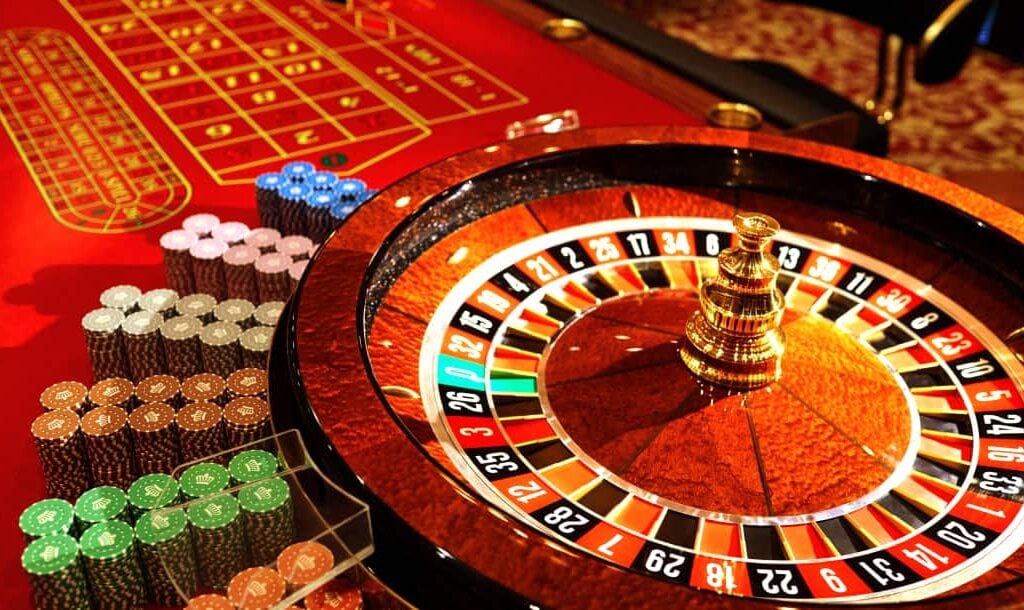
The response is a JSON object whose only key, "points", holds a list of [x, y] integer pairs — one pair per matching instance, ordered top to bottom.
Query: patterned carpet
{"points": [[975, 122]]}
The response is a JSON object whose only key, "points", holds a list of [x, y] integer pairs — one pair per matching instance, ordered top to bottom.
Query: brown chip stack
{"points": [[201, 225], [231, 233], [263, 238], [295, 246], [177, 260], [208, 268], [240, 272], [295, 272], [272, 276], [124, 298], [160, 301], [198, 305], [237, 311], [268, 313], [102, 328], [142, 344], [255, 344], [182, 346], [220, 349], [249, 381], [204, 387], [159, 388], [113, 392], [71, 395], [246, 419], [200, 431], [155, 437], [58, 442], [108, 443]]}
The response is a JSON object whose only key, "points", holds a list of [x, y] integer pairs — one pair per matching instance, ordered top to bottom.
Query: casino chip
{"points": [[298, 171], [292, 199], [267, 201], [318, 214], [201, 224], [231, 233], [264, 238], [295, 246], [177, 260], [207, 267], [272, 281], [124, 298], [160, 301], [199, 305], [236, 310], [268, 313], [102, 329], [142, 345], [219, 346], [249, 381], [204, 387], [159, 388], [112, 392], [65, 395], [246, 420], [57, 438], [155, 438], [109, 447], [252, 465], [203, 480], [150, 492], [99, 504], [46, 518], [219, 539], [305, 562], [256, 588], [335, 595], [210, 601]]}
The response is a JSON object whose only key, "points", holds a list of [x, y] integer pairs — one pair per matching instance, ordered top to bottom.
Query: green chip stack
{"points": [[252, 465], [203, 480], [151, 492], [103, 503], [47, 517], [269, 518], [219, 539], [165, 551], [108, 552], [58, 582]]}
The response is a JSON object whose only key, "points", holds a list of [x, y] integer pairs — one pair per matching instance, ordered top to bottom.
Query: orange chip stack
{"points": [[159, 388], [112, 392], [71, 395], [246, 419], [200, 430], [155, 437], [58, 441], [109, 446], [305, 562], [256, 589]]}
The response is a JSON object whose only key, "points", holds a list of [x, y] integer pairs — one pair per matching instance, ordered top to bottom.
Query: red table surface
{"points": [[51, 274]]}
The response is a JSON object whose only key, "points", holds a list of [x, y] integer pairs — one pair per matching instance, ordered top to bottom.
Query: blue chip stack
{"points": [[299, 200], [267, 201], [293, 208], [319, 223]]}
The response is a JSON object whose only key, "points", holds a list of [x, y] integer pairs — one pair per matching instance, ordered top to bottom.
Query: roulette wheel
{"points": [[491, 354]]}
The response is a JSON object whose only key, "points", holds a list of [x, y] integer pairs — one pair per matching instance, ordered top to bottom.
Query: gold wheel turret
{"points": [[735, 339]]}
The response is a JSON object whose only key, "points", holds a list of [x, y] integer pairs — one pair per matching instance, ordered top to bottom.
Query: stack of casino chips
{"points": [[301, 200], [176, 246], [272, 281], [102, 329], [142, 344], [255, 344], [182, 347], [219, 347], [246, 420], [200, 430], [155, 437], [58, 440], [108, 443], [151, 492], [269, 517], [219, 538], [166, 554], [112, 564], [55, 572]]}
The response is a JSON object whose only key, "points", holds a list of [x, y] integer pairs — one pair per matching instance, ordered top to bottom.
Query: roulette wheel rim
{"points": [[741, 160]]}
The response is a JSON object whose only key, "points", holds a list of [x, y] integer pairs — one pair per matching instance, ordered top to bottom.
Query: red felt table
{"points": [[122, 117]]}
